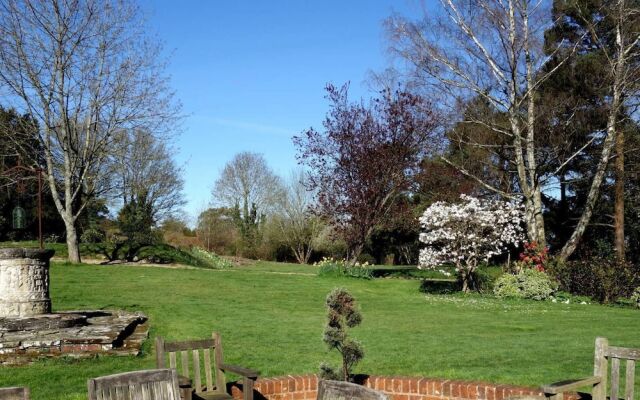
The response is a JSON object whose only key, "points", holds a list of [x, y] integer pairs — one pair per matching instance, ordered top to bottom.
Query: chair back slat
{"points": [[184, 356], [197, 360], [207, 368], [196, 371], [615, 378], [630, 379], [160, 384], [14, 393]]}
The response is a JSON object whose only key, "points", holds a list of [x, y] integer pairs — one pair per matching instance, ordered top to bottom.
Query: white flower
{"points": [[467, 232]]}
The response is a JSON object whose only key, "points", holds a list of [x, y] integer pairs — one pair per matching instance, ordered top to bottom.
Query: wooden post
{"points": [[160, 363], [600, 369], [247, 389]]}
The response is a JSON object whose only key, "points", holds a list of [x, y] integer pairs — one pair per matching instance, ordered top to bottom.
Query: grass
{"points": [[271, 317]]}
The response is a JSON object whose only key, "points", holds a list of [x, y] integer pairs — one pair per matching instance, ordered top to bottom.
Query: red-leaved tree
{"points": [[365, 158]]}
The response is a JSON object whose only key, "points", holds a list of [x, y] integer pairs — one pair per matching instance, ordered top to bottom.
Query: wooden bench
{"points": [[200, 352], [604, 355], [156, 384], [14, 393]]}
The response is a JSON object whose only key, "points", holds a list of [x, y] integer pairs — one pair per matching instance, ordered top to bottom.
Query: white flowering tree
{"points": [[466, 233]]}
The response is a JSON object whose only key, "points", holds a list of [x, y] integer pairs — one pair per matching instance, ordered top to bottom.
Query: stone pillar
{"points": [[24, 282]]}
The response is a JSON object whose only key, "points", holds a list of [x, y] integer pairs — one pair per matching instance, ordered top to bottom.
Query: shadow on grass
{"points": [[433, 286]]}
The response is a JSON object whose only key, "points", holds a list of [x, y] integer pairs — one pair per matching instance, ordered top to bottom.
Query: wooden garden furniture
{"points": [[605, 355], [198, 359], [155, 384], [336, 390], [14, 393]]}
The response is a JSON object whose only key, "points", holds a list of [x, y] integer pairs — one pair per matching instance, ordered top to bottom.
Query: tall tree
{"points": [[607, 33], [485, 49], [493, 50], [84, 70], [366, 157], [145, 173], [248, 186]]}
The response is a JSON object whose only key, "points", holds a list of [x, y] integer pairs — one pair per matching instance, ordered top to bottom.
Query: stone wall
{"points": [[24, 282], [305, 387]]}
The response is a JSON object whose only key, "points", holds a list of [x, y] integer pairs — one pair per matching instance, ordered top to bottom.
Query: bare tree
{"points": [[492, 50], [85, 70], [146, 173], [247, 181], [301, 229]]}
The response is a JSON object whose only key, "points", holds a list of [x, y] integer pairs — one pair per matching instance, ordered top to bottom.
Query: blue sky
{"points": [[251, 74]]}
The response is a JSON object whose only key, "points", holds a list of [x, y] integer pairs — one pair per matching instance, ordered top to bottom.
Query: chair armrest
{"points": [[247, 373], [184, 381], [570, 385]]}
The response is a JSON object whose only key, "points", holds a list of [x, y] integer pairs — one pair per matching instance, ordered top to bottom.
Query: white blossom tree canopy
{"points": [[469, 232]]}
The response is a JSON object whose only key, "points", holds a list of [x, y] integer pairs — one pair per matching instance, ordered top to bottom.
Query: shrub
{"points": [[468, 233], [92, 235], [52, 238], [534, 256], [211, 260], [329, 266], [486, 277], [605, 279], [527, 284], [635, 297], [341, 314]]}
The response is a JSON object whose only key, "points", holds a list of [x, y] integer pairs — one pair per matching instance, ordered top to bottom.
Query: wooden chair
{"points": [[603, 355], [211, 368], [155, 384], [336, 390], [14, 393]]}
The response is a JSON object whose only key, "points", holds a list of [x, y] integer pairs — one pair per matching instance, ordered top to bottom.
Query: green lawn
{"points": [[273, 322]]}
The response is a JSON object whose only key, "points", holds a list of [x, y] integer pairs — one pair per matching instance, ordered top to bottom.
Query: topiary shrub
{"points": [[527, 284], [341, 314]]}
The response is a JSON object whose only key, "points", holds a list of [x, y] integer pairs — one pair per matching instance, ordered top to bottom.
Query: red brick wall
{"points": [[398, 388]]}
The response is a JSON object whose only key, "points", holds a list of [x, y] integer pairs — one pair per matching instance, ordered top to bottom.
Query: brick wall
{"points": [[398, 388]]}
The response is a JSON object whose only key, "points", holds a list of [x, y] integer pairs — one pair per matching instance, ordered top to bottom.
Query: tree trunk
{"points": [[607, 147], [532, 169], [594, 191], [619, 197], [540, 239], [73, 246], [299, 253], [355, 253], [465, 282]]}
